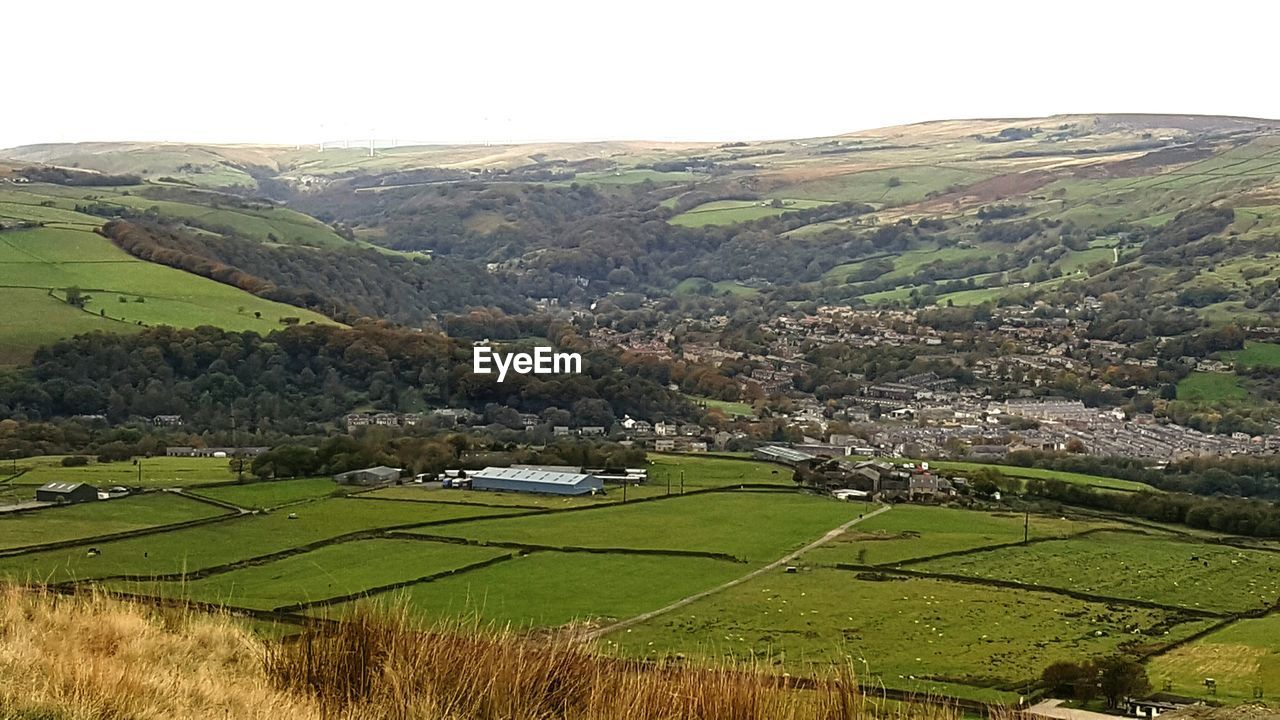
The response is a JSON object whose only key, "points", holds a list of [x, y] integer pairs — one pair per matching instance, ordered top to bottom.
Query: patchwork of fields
{"points": [[119, 293], [933, 599]]}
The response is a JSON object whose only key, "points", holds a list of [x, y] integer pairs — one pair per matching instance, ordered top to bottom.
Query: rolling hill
{"points": [[1181, 210]]}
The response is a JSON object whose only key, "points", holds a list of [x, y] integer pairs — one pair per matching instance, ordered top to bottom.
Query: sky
{"points": [[475, 71]]}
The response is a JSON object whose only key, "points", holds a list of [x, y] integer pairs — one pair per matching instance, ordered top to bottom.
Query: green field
{"points": [[893, 186], [728, 212], [124, 293], [1256, 354], [1210, 387], [730, 407], [144, 472], [1094, 481], [273, 493], [99, 518], [781, 521], [912, 531], [230, 541], [1161, 569], [330, 572], [550, 588], [927, 633], [922, 634], [1240, 657]]}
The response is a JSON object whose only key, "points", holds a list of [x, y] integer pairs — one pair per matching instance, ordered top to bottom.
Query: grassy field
{"points": [[893, 186], [728, 212], [124, 293], [1256, 354], [1210, 387], [730, 408], [145, 472], [1094, 481], [273, 493], [99, 518], [780, 522], [912, 531], [230, 541], [1161, 569], [333, 571], [550, 589], [922, 634], [928, 634], [1240, 657]]}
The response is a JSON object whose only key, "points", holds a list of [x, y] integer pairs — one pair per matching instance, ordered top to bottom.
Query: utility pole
{"points": [[235, 450], [139, 471], [668, 474], [681, 482], [624, 491], [1026, 527]]}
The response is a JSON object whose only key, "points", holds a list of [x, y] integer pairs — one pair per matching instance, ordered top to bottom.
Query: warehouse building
{"points": [[779, 454], [368, 476], [535, 480], [66, 492]]}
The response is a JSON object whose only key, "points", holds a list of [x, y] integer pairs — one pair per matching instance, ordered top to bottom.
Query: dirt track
{"points": [[831, 535]]}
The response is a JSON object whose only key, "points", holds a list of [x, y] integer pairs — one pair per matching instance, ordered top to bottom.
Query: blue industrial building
{"points": [[534, 480]]}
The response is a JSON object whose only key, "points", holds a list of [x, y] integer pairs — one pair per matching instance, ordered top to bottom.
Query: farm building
{"points": [[213, 452], [777, 453], [368, 476], [534, 480], [66, 492]]}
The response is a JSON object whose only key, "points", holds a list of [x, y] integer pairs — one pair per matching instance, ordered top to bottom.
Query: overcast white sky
{"points": [[475, 71]]}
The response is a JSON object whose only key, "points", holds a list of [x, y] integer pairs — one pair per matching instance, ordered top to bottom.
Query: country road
{"points": [[785, 560]]}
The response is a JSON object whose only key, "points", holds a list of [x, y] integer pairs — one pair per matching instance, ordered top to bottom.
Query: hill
{"points": [[1175, 212], [127, 659]]}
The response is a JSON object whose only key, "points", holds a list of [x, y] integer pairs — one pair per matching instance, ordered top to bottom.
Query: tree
{"points": [[76, 297], [1067, 678], [1120, 678]]}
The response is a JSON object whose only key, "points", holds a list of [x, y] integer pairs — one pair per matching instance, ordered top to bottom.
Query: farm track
{"points": [[790, 557]]}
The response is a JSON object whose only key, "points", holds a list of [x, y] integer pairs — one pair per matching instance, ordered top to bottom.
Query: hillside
{"points": [[1176, 212], [93, 656]]}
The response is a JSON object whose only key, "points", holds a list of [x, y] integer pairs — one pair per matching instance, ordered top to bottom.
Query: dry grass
{"points": [[91, 656]]}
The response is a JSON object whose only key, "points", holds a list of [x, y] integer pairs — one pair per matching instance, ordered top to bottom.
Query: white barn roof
{"points": [[530, 475]]}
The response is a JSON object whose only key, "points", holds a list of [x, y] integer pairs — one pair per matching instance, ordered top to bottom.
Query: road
{"points": [[786, 560], [1051, 708]]}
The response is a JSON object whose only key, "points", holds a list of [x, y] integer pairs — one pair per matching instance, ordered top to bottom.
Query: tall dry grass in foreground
{"points": [[96, 657]]}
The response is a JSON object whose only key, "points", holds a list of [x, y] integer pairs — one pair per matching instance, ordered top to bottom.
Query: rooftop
{"points": [[556, 477]]}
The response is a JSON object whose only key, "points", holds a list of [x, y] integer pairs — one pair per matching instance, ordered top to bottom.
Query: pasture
{"points": [[728, 212], [38, 265], [1256, 354], [1210, 387], [156, 472], [273, 493], [779, 521], [57, 524], [914, 531], [231, 541], [1155, 568], [328, 572], [547, 589], [915, 621], [917, 634], [1241, 657]]}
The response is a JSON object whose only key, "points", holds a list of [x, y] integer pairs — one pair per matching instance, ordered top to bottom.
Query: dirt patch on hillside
{"points": [[1144, 164]]}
